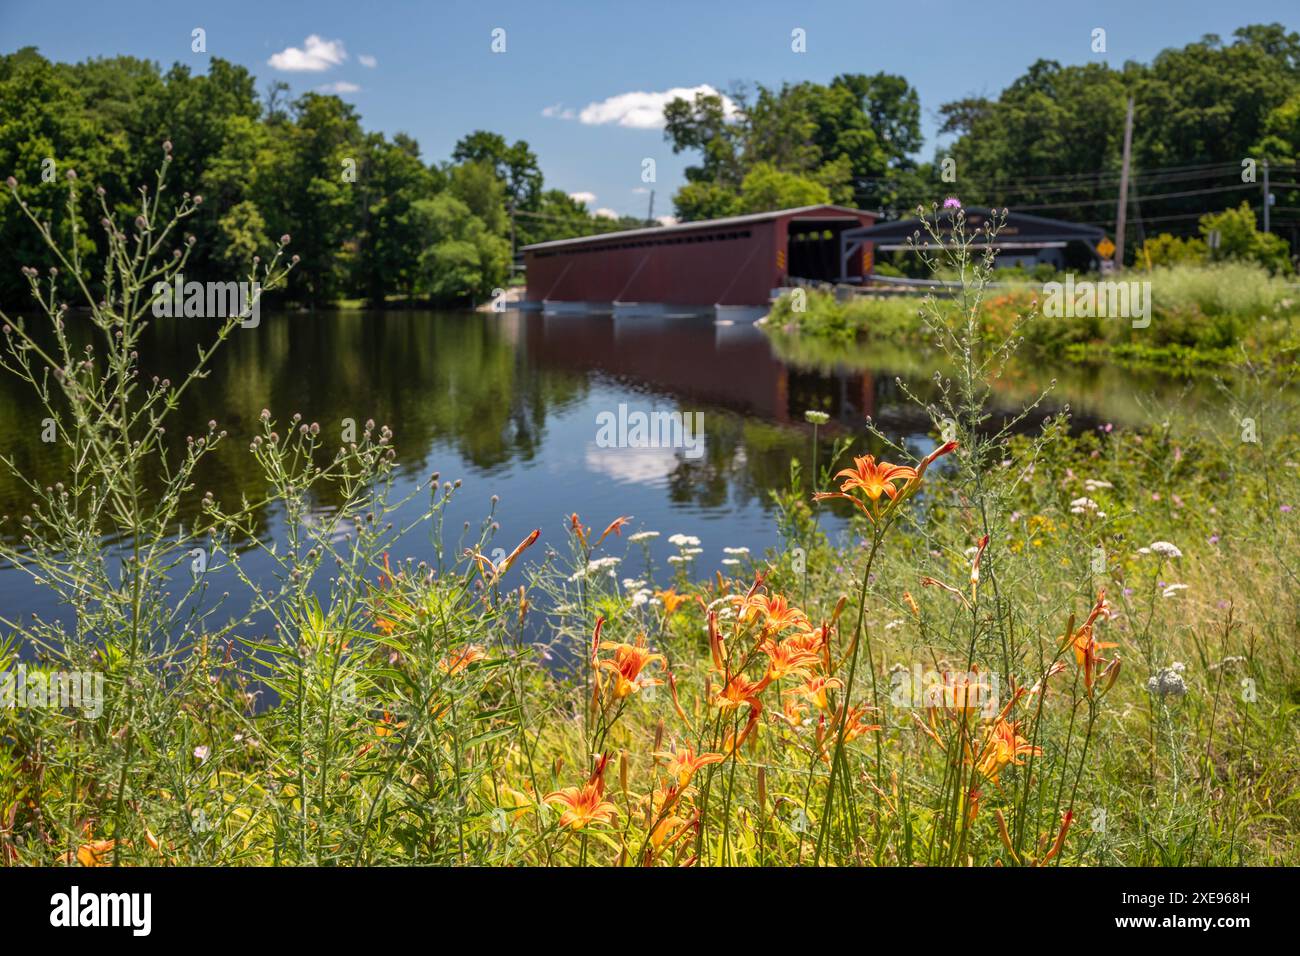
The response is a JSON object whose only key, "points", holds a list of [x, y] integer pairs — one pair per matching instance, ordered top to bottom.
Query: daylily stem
{"points": [[848, 694]]}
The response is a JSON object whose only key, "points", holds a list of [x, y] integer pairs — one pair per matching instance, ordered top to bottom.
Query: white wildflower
{"points": [[1081, 506], [1165, 549], [1168, 681]]}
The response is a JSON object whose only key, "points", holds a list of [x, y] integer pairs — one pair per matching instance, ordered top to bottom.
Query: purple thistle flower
{"points": [[952, 202]]}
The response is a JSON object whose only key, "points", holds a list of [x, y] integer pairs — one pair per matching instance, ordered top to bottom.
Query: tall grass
{"points": [[1202, 315]]}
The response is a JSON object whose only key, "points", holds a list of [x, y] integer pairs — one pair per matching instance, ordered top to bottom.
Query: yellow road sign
{"points": [[1105, 248]]}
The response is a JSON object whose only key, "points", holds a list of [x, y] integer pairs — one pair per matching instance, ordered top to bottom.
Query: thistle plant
{"points": [[109, 538]]}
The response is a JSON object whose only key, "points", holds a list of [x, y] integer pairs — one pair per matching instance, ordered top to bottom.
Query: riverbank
{"points": [[1200, 318]]}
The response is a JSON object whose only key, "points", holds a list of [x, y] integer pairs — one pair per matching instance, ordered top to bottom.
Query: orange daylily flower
{"points": [[870, 478], [876, 479], [671, 600], [777, 613], [808, 638], [1087, 648], [786, 658], [628, 662], [455, 663], [815, 689], [741, 691], [854, 725], [1003, 745], [683, 764], [586, 804], [94, 853]]}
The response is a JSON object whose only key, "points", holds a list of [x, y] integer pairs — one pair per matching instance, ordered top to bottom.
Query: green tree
{"points": [[515, 166], [391, 180], [476, 185], [767, 188], [1231, 234], [1169, 250], [462, 259]]}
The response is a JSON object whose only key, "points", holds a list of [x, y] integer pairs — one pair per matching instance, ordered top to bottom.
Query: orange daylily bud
{"points": [[615, 527], [523, 546], [839, 607], [595, 639], [672, 688]]}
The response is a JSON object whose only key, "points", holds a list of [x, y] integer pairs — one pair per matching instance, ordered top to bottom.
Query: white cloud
{"points": [[316, 56], [368, 61], [342, 86], [638, 110], [559, 111], [640, 190], [584, 198], [605, 213], [667, 220], [638, 466]]}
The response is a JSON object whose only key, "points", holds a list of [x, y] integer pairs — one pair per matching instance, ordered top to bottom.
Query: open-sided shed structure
{"points": [[1022, 240]]}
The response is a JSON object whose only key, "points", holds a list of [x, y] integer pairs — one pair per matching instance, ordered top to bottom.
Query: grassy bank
{"points": [[1201, 317], [1028, 651]]}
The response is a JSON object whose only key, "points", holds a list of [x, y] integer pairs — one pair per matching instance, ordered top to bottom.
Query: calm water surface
{"points": [[509, 404]]}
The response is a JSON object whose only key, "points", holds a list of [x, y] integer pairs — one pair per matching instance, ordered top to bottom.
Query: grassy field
{"points": [[1029, 651]]}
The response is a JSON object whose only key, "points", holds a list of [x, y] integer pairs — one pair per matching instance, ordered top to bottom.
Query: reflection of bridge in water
{"points": [[732, 366]]}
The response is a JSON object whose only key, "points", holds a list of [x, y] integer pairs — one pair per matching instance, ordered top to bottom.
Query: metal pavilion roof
{"points": [[1018, 231]]}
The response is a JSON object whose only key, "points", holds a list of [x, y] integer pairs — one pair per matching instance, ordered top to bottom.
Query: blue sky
{"points": [[435, 76]]}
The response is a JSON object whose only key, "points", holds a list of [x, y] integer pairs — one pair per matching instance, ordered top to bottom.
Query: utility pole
{"points": [[1267, 197], [511, 207], [1121, 214], [650, 216]]}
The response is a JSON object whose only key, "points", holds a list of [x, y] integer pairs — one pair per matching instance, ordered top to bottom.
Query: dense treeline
{"points": [[1050, 142], [369, 218]]}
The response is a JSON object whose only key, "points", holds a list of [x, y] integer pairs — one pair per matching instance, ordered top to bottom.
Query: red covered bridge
{"points": [[694, 266]]}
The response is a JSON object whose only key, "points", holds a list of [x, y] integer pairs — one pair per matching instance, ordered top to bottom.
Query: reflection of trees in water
{"points": [[433, 378]]}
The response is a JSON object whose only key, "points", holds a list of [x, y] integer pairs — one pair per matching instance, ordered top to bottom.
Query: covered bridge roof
{"points": [[824, 212]]}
